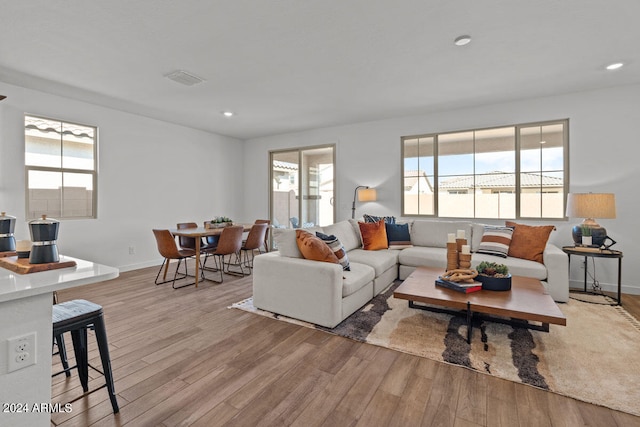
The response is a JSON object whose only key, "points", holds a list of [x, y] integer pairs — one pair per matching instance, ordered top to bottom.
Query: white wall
{"points": [[603, 133], [152, 174], [155, 174]]}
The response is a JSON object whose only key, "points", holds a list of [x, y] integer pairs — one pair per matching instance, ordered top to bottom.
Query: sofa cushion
{"points": [[477, 230], [346, 233], [434, 233], [374, 235], [398, 236], [285, 239], [495, 241], [529, 241], [336, 246], [313, 248], [423, 256], [437, 257], [381, 260], [517, 266], [356, 278]]}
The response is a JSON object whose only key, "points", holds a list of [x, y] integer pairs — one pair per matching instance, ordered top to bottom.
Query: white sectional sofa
{"points": [[322, 293]]}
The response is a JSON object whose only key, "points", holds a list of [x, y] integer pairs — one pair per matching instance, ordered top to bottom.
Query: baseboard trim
{"points": [[137, 266], [609, 287]]}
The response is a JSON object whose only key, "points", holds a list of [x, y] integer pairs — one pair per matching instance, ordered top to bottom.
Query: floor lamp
{"points": [[367, 194]]}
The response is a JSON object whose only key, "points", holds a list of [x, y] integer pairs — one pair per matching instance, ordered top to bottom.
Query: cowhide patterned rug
{"points": [[595, 358]]}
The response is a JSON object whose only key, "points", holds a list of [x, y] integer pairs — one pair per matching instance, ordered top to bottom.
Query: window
{"points": [[61, 168], [516, 171]]}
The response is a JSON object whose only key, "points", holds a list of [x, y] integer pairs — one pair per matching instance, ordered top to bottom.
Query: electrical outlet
{"points": [[132, 250], [21, 352]]}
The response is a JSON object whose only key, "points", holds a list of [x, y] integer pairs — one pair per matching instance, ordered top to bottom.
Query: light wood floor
{"points": [[181, 357]]}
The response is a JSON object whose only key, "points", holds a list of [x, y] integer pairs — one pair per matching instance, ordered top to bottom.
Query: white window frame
{"points": [[517, 148], [93, 172]]}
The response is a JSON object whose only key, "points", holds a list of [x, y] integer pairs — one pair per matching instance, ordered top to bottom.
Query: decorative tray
{"points": [[22, 265]]}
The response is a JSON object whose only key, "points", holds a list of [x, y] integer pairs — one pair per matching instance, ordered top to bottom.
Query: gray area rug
{"points": [[594, 358]]}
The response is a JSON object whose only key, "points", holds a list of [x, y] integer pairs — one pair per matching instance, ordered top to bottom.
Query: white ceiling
{"points": [[289, 65]]}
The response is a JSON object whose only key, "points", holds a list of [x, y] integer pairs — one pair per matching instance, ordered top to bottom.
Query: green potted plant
{"points": [[220, 221], [587, 238], [494, 276]]}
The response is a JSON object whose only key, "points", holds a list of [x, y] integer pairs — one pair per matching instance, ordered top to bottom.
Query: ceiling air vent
{"points": [[184, 78]]}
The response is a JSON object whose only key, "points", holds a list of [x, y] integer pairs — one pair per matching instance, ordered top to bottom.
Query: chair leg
{"points": [[218, 259], [248, 259], [238, 262], [204, 264], [160, 271], [186, 274], [177, 275], [79, 338], [103, 348], [62, 351]]}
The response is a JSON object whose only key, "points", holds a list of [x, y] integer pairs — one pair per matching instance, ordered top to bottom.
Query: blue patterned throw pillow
{"points": [[373, 218], [337, 248]]}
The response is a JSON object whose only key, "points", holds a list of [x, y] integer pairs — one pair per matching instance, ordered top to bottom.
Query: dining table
{"points": [[198, 233]]}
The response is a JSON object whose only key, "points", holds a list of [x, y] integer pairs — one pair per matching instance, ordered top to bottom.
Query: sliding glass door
{"points": [[302, 187]]}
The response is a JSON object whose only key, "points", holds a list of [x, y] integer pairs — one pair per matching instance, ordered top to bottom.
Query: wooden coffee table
{"points": [[526, 302]]}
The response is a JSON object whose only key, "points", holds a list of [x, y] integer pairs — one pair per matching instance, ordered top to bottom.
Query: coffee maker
{"points": [[7, 226], [44, 233]]}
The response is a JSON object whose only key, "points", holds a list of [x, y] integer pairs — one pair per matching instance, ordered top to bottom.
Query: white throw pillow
{"points": [[286, 244]]}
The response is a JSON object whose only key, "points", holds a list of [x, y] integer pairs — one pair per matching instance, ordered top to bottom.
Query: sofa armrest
{"points": [[557, 263], [299, 288]]}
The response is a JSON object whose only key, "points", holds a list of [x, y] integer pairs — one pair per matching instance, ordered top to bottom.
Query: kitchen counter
{"points": [[15, 286], [25, 308]]}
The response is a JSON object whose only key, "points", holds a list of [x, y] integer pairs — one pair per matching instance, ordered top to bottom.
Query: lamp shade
{"points": [[367, 195], [591, 205]]}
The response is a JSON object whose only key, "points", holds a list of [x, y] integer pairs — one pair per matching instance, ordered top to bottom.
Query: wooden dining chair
{"points": [[266, 234], [255, 240], [229, 245], [169, 250]]}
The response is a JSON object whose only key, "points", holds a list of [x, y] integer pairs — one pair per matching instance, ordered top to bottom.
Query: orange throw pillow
{"points": [[374, 235], [529, 241], [314, 248]]}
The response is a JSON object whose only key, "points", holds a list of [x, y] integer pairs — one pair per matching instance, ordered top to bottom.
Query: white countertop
{"points": [[14, 286]]}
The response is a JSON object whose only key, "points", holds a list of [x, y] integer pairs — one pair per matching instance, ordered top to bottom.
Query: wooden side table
{"points": [[596, 253]]}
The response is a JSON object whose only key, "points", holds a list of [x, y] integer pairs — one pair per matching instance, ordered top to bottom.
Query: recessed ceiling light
{"points": [[462, 40], [614, 66], [228, 113]]}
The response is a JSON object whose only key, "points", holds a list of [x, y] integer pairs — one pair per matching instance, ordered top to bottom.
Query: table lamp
{"points": [[366, 194], [590, 206]]}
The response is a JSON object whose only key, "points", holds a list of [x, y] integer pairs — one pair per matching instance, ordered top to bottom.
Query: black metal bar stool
{"points": [[76, 316]]}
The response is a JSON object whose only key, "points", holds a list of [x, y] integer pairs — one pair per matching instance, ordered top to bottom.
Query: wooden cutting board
{"points": [[8, 253], [22, 265]]}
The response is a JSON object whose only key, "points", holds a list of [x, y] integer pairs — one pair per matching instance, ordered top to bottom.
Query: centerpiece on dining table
{"points": [[219, 222]]}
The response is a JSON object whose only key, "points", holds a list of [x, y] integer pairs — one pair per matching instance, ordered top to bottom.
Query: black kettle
{"points": [[7, 226], [44, 233]]}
